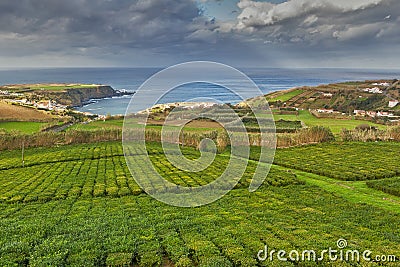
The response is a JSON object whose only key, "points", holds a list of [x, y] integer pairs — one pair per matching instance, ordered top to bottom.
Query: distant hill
{"points": [[65, 94], [341, 97]]}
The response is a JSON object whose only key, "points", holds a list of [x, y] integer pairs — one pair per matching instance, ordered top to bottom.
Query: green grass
{"points": [[352, 83], [51, 87], [60, 88], [287, 96], [305, 116], [113, 124], [118, 124], [335, 125], [24, 127], [344, 161], [100, 170], [390, 185], [356, 192], [78, 206]]}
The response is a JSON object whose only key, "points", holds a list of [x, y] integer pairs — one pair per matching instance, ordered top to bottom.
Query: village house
{"points": [[381, 84], [374, 90], [326, 95], [21, 101], [393, 103], [44, 104], [326, 111], [360, 112], [384, 114]]}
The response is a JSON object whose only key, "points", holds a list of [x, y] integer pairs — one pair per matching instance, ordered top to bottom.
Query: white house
{"points": [[381, 84], [374, 90], [327, 95], [393, 103], [329, 111], [360, 112], [384, 114]]}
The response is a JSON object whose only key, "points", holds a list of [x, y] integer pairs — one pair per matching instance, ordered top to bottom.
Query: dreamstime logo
{"points": [[149, 94], [331, 254]]}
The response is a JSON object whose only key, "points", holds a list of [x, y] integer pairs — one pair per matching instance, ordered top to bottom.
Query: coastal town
{"points": [[58, 99], [339, 101]]}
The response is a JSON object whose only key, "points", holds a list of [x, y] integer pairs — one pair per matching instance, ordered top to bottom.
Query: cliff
{"points": [[78, 96]]}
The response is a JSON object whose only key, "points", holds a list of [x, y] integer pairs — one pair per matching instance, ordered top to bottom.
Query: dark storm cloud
{"points": [[93, 17], [320, 22], [83, 23], [154, 32]]}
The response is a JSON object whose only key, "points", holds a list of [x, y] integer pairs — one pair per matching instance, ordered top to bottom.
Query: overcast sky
{"points": [[245, 33]]}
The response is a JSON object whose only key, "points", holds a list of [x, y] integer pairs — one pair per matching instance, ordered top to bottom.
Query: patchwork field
{"points": [[45, 86], [285, 95], [17, 113], [334, 124], [23, 127], [347, 161], [390, 185], [79, 206]]}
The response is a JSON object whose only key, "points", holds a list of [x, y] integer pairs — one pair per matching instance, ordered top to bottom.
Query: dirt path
{"points": [[59, 128]]}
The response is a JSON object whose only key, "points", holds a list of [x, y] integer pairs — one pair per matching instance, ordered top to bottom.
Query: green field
{"points": [[50, 87], [60, 88], [287, 96], [281, 121], [113, 124], [118, 124], [335, 125], [24, 127], [347, 161], [390, 185], [79, 206]]}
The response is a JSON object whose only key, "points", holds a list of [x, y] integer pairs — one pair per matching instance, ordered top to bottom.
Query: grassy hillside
{"points": [[45, 87], [65, 94], [285, 95], [342, 97], [10, 112], [336, 125], [23, 127], [390, 185], [79, 206]]}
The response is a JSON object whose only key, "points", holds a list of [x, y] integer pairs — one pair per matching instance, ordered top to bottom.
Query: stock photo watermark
{"points": [[235, 136], [335, 254]]}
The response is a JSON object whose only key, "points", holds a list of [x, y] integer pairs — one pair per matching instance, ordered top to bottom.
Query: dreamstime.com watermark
{"points": [[339, 253]]}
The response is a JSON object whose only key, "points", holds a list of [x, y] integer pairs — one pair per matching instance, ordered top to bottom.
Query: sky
{"points": [[240, 33]]}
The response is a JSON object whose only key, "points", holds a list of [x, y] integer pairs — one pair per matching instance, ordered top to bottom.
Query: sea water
{"points": [[130, 79]]}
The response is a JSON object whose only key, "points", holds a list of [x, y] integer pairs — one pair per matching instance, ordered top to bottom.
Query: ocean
{"points": [[130, 79]]}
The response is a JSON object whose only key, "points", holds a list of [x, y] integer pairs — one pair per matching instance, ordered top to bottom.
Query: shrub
{"points": [[184, 261], [215, 261]]}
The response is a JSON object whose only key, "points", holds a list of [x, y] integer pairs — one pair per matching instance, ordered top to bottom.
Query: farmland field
{"points": [[49, 87], [287, 96], [18, 113], [114, 124], [334, 124], [193, 126], [24, 127], [353, 161], [390, 185], [79, 206]]}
